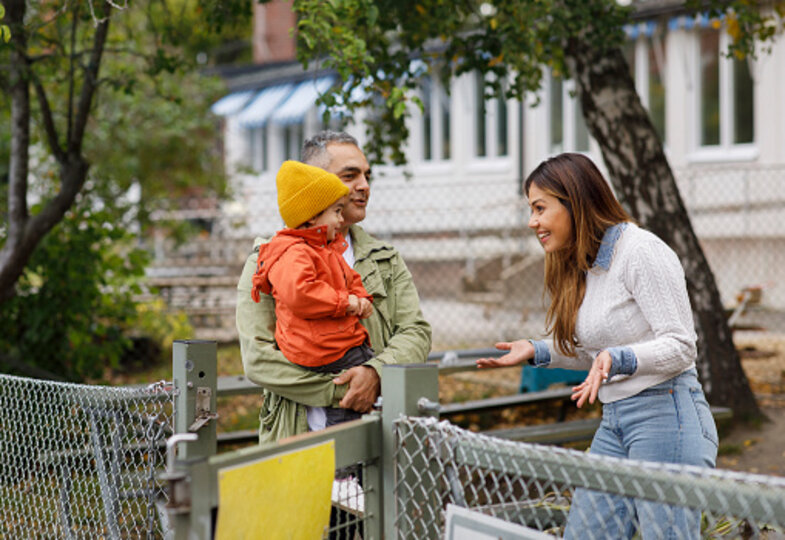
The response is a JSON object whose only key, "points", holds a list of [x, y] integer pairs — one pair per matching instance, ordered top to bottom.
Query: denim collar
{"points": [[609, 239]]}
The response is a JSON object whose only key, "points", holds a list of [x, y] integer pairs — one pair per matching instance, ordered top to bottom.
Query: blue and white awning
{"points": [[701, 20], [687, 22], [646, 29], [231, 103], [293, 110], [258, 111]]}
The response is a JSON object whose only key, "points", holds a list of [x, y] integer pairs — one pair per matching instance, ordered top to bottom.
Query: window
{"points": [[645, 56], [709, 88], [725, 95], [655, 101], [743, 103], [444, 112], [480, 112], [556, 114], [435, 121], [490, 122], [427, 124], [501, 126], [568, 131], [292, 140], [258, 146]]}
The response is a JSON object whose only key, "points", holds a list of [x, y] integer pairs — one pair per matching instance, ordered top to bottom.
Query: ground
{"points": [[759, 449], [756, 450]]}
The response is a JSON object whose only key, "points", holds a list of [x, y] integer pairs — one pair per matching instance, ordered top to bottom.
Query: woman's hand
{"points": [[520, 351], [598, 374]]}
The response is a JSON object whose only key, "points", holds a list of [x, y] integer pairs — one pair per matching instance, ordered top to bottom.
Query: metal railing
{"points": [[365, 445], [81, 461], [427, 465], [534, 486]]}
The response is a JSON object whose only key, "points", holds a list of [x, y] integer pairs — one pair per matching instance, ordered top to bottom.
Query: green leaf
{"points": [[5, 33]]}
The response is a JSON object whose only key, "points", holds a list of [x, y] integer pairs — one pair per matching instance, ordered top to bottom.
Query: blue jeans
{"points": [[669, 423]]}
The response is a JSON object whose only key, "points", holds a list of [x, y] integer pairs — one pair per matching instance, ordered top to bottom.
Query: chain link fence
{"points": [[477, 266], [479, 269], [79, 461], [437, 463], [347, 512]]}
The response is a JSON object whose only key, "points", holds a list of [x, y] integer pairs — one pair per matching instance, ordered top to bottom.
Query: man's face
{"points": [[348, 163]]}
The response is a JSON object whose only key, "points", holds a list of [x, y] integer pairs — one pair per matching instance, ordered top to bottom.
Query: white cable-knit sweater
{"points": [[640, 301]]}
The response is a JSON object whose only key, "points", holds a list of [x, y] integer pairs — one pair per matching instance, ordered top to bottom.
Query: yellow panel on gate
{"points": [[286, 496]]}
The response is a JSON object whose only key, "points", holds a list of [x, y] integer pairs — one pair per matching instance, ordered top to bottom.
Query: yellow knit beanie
{"points": [[304, 191]]}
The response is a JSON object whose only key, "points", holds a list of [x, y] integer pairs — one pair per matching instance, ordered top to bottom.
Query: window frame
{"points": [[435, 101], [490, 123], [569, 126], [726, 150]]}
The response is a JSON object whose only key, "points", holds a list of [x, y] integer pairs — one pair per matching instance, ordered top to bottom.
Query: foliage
{"points": [[5, 32], [224, 39], [371, 44], [108, 97], [149, 125], [115, 130], [159, 140], [75, 299], [154, 321]]}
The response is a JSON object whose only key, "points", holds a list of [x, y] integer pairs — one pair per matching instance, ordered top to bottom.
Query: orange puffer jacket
{"points": [[311, 283]]}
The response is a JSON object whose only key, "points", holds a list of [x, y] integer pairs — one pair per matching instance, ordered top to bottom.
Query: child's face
{"points": [[332, 218]]}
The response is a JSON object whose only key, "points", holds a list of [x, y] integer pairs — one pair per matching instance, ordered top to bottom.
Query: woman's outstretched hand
{"points": [[520, 351], [598, 374]]}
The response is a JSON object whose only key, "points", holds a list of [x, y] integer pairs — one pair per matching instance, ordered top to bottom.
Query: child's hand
{"points": [[354, 305], [366, 308]]}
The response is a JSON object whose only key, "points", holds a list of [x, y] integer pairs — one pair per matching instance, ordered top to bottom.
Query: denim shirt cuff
{"points": [[542, 355], [623, 361]]}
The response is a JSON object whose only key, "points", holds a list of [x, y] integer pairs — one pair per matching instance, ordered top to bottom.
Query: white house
{"points": [[457, 214]]}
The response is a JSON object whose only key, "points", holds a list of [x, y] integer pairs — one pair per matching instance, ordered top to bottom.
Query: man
{"points": [[294, 398]]}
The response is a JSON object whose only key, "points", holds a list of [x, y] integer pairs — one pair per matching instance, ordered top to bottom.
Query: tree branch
{"points": [[71, 76], [48, 121], [76, 134]]}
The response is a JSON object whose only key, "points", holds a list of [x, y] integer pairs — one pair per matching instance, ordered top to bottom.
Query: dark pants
{"points": [[356, 356]]}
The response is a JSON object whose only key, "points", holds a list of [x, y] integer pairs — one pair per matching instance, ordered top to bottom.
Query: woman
{"points": [[619, 306]]}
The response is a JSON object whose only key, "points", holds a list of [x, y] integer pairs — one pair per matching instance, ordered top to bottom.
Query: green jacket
{"points": [[399, 335]]}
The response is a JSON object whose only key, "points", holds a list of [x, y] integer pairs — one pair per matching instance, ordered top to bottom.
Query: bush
{"points": [[75, 300], [152, 334]]}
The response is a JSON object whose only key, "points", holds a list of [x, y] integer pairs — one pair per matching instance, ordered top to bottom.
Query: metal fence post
{"points": [[195, 379], [403, 386], [373, 487]]}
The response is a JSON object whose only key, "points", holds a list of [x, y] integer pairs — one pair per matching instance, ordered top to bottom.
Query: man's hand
{"points": [[364, 388]]}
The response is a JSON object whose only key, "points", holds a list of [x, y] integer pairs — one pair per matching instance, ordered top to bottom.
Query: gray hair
{"points": [[314, 150]]}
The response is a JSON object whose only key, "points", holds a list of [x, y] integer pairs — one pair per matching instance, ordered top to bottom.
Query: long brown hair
{"points": [[577, 183]]}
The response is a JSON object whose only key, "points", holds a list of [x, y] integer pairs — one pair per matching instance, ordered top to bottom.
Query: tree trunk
{"points": [[644, 183], [25, 231], [11, 261]]}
